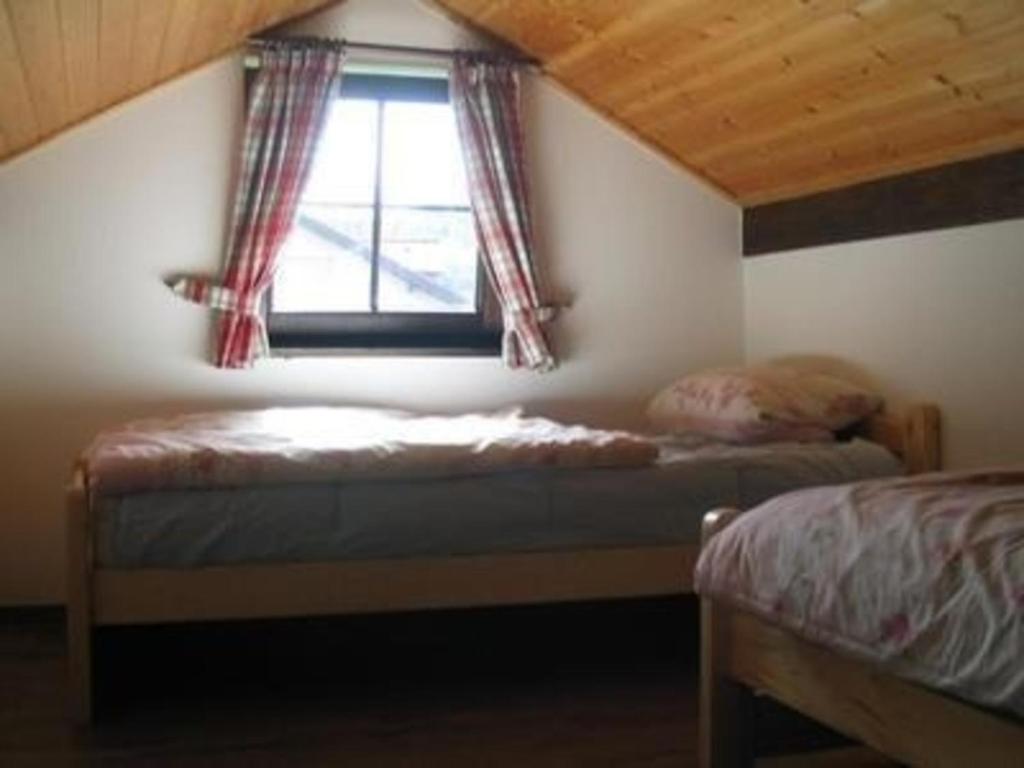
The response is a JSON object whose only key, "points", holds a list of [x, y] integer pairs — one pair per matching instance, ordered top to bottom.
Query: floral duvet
{"points": [[326, 444], [924, 575]]}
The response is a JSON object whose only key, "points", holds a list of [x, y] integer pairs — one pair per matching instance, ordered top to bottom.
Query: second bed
{"points": [[166, 551]]}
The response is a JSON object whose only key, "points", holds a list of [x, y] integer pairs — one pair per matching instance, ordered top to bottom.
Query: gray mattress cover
{"points": [[545, 510]]}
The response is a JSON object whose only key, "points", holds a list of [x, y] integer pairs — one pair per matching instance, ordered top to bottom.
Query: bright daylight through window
{"points": [[383, 252]]}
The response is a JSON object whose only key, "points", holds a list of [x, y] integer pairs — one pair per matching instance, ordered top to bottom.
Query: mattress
{"points": [[543, 509], [923, 576]]}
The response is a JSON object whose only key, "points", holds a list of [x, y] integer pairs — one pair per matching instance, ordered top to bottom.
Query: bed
{"points": [[246, 561], [890, 610]]}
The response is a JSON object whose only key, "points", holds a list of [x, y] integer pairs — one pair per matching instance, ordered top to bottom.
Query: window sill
{"points": [[297, 343], [297, 352]]}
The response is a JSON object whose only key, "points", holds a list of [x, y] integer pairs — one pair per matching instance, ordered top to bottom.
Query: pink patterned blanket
{"points": [[285, 445], [924, 575]]}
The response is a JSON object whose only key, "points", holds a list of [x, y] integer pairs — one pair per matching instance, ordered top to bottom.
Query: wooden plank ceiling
{"points": [[64, 60], [766, 99], [772, 99]]}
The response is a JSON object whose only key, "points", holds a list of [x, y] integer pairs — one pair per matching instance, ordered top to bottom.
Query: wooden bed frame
{"points": [[106, 596], [742, 653]]}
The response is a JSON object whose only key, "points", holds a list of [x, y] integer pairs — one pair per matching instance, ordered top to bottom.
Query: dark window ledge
{"points": [[294, 344], [296, 352]]}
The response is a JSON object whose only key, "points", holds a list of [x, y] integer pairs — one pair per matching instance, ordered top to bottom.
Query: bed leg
{"points": [[79, 602], [726, 736]]}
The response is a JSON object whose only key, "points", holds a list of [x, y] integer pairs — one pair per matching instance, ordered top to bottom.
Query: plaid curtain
{"points": [[486, 99], [287, 109]]}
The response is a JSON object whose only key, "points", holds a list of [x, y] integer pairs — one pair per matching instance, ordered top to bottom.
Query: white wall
{"points": [[91, 222], [936, 316]]}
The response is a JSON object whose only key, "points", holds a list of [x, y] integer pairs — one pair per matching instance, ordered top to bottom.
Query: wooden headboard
{"points": [[913, 433]]}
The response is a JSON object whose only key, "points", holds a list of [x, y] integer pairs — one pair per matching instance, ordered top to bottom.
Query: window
{"points": [[383, 254]]}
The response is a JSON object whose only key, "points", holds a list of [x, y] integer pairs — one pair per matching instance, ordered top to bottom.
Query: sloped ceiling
{"points": [[64, 60], [766, 99], [770, 99]]}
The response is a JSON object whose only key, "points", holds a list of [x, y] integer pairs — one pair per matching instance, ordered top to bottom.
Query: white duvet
{"points": [[317, 444]]}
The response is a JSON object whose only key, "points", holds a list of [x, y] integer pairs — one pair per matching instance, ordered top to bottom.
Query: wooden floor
{"points": [[586, 685]]}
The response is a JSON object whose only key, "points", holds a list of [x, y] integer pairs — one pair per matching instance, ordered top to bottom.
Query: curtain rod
{"points": [[264, 42]]}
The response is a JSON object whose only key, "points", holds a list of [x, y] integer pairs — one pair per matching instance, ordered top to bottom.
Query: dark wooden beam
{"points": [[970, 192]]}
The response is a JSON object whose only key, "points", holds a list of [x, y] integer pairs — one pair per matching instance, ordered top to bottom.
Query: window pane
{"points": [[422, 156], [344, 164], [428, 251], [428, 261], [325, 262], [324, 265]]}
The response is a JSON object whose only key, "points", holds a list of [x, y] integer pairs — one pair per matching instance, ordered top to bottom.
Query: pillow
{"points": [[761, 404]]}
